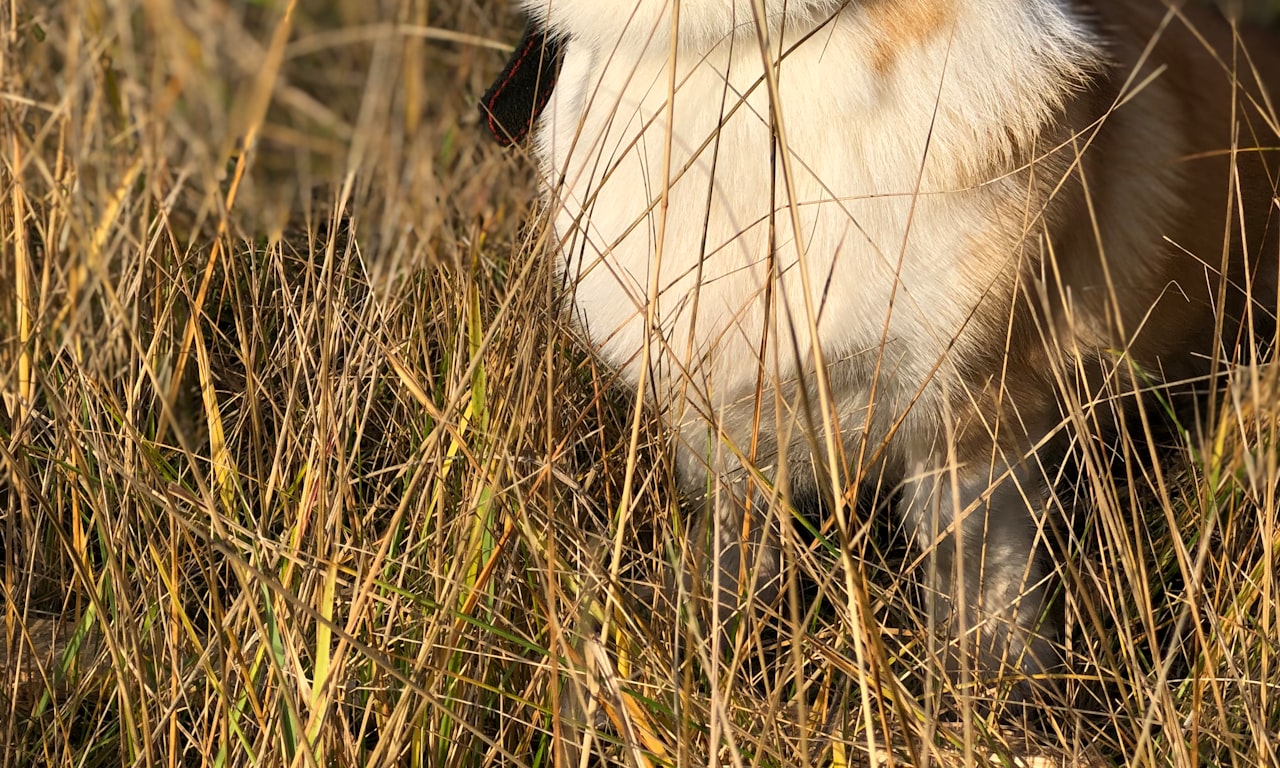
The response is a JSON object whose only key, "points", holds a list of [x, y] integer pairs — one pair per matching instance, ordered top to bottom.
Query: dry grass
{"points": [[298, 467]]}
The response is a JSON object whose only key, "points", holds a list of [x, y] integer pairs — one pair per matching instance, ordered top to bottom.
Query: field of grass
{"points": [[300, 466]]}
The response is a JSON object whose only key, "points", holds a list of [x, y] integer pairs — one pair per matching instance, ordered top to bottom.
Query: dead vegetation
{"points": [[298, 466]]}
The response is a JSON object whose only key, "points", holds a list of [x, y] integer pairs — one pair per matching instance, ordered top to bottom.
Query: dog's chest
{"points": [[682, 219]]}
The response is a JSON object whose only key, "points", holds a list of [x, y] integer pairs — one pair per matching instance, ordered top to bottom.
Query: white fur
{"points": [[879, 162]]}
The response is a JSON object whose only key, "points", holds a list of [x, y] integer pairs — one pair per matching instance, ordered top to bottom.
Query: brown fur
{"points": [[901, 24], [1165, 157], [1142, 166]]}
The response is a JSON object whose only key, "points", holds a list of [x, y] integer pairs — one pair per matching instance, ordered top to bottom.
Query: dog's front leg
{"points": [[732, 559], [989, 571]]}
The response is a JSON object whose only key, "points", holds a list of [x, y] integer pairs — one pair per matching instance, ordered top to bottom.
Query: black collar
{"points": [[512, 104]]}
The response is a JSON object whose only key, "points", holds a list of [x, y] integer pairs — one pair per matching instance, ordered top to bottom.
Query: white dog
{"points": [[835, 242]]}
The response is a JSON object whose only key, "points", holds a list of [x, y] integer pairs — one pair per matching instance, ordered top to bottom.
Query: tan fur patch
{"points": [[904, 24]]}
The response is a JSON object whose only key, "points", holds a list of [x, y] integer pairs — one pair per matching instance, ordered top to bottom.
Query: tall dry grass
{"points": [[299, 466]]}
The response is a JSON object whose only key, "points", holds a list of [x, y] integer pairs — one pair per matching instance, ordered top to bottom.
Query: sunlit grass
{"points": [[299, 465]]}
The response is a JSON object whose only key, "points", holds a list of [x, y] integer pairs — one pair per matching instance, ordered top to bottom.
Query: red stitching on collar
{"points": [[494, 128]]}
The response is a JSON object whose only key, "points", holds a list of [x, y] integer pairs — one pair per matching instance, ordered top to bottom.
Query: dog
{"points": [[893, 243]]}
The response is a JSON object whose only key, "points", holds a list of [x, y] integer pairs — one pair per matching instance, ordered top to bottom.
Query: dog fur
{"points": [[839, 242]]}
